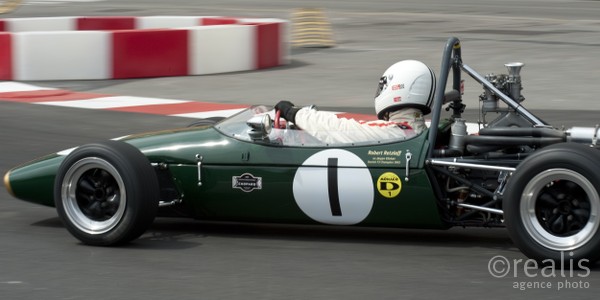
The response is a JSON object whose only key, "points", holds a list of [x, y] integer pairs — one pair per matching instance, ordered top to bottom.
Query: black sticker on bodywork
{"points": [[246, 182]]}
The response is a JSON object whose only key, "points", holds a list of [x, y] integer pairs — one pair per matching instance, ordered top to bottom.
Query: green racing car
{"points": [[515, 171]]}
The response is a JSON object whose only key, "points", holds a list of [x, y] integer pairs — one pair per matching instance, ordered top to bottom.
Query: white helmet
{"points": [[407, 83]]}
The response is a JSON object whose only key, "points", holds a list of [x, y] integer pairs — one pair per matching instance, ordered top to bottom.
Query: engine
{"points": [[508, 130], [472, 168]]}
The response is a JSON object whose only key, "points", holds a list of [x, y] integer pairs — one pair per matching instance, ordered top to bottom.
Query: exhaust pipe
{"points": [[583, 135]]}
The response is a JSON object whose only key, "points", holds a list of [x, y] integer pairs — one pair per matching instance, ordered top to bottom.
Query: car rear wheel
{"points": [[106, 193], [552, 204]]}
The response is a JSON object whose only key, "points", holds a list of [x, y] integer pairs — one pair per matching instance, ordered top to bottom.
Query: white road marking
{"points": [[11, 86], [112, 102], [208, 114]]}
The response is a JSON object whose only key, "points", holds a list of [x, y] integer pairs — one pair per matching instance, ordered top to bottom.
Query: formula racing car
{"points": [[512, 170]]}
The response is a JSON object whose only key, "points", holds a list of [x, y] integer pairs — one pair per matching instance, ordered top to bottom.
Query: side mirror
{"points": [[260, 127]]}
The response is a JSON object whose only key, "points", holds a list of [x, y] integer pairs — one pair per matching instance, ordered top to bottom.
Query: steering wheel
{"points": [[276, 123]]}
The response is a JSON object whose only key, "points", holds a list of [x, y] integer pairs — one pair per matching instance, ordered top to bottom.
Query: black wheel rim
{"points": [[93, 195], [97, 195], [560, 209]]}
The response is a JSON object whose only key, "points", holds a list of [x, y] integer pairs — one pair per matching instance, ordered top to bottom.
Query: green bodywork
{"points": [[225, 159]]}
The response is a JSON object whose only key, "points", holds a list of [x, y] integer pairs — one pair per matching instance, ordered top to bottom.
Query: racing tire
{"points": [[107, 193], [552, 205]]}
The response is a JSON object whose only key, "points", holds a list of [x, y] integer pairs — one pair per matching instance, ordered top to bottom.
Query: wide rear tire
{"points": [[106, 193], [552, 205]]}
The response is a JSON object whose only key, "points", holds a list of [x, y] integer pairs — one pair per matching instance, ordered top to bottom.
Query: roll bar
{"points": [[452, 60]]}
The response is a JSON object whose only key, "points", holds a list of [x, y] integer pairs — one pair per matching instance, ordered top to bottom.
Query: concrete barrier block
{"points": [[208, 21], [167, 22], [106, 23], [41, 24], [104, 47], [149, 53], [211, 53], [65, 55], [6, 65]]}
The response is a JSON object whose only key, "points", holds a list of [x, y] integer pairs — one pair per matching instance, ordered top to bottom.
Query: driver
{"points": [[404, 95]]}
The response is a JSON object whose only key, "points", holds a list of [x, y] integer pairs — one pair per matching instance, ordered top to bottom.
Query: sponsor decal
{"points": [[396, 87], [397, 99], [385, 157], [246, 182], [389, 185]]}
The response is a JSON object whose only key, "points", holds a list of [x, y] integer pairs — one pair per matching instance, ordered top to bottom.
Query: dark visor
{"points": [[381, 86]]}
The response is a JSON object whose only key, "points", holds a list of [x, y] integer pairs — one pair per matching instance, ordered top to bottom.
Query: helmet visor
{"points": [[381, 86]]}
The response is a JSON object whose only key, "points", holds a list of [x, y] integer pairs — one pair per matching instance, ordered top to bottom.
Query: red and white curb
{"points": [[26, 93]]}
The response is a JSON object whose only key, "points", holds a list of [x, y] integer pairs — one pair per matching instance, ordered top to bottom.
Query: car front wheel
{"points": [[106, 193]]}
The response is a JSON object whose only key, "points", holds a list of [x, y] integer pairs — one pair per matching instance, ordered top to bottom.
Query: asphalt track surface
{"points": [[186, 259]]}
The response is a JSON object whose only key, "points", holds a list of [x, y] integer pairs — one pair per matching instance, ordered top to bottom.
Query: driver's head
{"points": [[407, 83]]}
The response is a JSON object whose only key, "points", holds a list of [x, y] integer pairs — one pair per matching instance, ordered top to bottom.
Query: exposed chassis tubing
{"points": [[452, 61], [436, 162], [485, 208]]}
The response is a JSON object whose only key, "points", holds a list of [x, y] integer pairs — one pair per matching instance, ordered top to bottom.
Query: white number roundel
{"points": [[334, 187]]}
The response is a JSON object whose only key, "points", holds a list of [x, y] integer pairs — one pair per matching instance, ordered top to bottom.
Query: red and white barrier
{"points": [[70, 48]]}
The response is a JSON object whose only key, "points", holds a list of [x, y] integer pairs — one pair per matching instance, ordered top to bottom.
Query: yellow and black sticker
{"points": [[389, 185]]}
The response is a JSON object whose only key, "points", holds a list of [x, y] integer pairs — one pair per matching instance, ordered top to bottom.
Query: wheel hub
{"points": [[93, 195], [100, 195], [559, 209]]}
